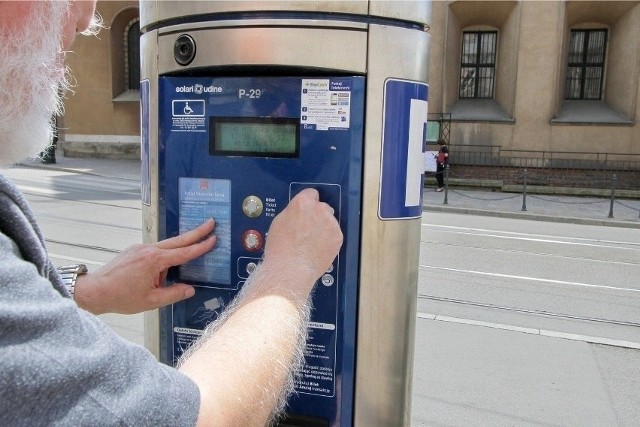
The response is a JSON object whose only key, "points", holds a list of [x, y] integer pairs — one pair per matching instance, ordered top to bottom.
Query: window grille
{"points": [[478, 64], [585, 72]]}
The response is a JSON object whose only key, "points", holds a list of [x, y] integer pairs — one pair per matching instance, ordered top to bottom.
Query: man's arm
{"points": [[243, 364]]}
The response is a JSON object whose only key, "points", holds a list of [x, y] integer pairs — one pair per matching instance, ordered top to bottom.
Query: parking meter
{"points": [[245, 104]]}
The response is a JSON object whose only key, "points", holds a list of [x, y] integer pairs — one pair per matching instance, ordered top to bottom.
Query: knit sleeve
{"points": [[61, 365]]}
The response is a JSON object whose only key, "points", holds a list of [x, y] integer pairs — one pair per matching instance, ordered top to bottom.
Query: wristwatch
{"points": [[69, 274]]}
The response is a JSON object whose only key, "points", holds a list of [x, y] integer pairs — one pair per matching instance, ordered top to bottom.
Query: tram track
{"points": [[75, 199], [76, 222], [534, 237], [425, 243], [83, 246], [578, 284], [534, 312]]}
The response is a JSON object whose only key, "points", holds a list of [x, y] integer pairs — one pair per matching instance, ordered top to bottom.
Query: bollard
{"points": [[446, 185], [524, 192], [613, 192]]}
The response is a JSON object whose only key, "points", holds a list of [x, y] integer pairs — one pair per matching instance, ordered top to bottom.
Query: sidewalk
{"points": [[126, 169], [554, 208], [579, 210], [467, 375]]}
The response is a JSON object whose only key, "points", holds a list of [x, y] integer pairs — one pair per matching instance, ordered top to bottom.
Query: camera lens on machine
{"points": [[184, 50]]}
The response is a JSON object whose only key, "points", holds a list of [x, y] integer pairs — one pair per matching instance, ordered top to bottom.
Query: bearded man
{"points": [[60, 364]]}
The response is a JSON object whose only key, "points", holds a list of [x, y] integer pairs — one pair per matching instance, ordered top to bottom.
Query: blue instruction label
{"points": [[199, 200]]}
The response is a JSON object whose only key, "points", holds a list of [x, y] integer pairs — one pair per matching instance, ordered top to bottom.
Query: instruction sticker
{"points": [[325, 104], [188, 115], [201, 199], [192, 316], [182, 340], [318, 376]]}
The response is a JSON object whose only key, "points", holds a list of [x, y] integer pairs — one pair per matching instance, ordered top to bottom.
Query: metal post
{"points": [[446, 185], [613, 191], [524, 192]]}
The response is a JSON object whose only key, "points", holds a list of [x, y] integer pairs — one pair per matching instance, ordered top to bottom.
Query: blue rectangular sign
{"points": [[401, 175]]}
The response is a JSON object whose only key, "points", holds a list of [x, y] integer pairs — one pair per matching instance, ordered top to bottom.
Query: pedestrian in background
{"points": [[442, 160]]}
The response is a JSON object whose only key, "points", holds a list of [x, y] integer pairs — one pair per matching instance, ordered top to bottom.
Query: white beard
{"points": [[31, 78]]}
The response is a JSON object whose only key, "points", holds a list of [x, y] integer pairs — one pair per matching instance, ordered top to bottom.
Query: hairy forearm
{"points": [[255, 348]]}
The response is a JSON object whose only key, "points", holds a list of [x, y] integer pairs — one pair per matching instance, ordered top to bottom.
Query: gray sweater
{"points": [[60, 365]]}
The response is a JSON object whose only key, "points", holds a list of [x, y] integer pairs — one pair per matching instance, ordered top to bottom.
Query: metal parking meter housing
{"points": [[373, 56]]}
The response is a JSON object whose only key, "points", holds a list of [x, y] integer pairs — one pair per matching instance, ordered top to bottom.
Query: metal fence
{"points": [[547, 168], [522, 193]]}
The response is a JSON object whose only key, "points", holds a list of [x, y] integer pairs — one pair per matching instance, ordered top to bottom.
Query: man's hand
{"points": [[303, 240], [133, 281]]}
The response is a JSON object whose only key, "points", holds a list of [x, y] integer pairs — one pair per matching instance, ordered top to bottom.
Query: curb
{"points": [[54, 166], [533, 331]]}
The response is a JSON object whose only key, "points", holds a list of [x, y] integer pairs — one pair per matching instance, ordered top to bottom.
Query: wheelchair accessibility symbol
{"points": [[188, 107]]}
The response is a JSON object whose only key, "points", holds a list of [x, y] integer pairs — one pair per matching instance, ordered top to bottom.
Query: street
{"points": [[563, 277], [520, 322], [526, 323]]}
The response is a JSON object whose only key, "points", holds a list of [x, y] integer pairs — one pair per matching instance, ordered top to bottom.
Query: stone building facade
{"points": [[517, 79], [556, 81], [102, 114]]}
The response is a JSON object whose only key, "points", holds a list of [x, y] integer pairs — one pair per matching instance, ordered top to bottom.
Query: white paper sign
{"points": [[430, 161]]}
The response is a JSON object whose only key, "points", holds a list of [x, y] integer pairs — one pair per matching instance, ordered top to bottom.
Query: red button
{"points": [[252, 240]]}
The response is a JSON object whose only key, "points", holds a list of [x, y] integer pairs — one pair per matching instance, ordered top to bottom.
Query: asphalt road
{"points": [[577, 279], [520, 322], [526, 323]]}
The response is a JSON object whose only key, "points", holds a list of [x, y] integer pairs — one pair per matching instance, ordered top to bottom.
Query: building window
{"points": [[132, 46], [478, 64], [585, 73]]}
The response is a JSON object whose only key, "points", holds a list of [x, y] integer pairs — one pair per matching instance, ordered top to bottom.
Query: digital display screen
{"points": [[254, 136]]}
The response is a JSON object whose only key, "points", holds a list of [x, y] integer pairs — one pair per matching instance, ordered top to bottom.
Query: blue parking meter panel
{"points": [[238, 149]]}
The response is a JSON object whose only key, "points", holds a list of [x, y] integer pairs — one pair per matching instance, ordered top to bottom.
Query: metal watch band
{"points": [[69, 274]]}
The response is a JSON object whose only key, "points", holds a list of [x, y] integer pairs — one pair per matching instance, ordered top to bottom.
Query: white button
{"points": [[251, 267], [327, 280]]}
